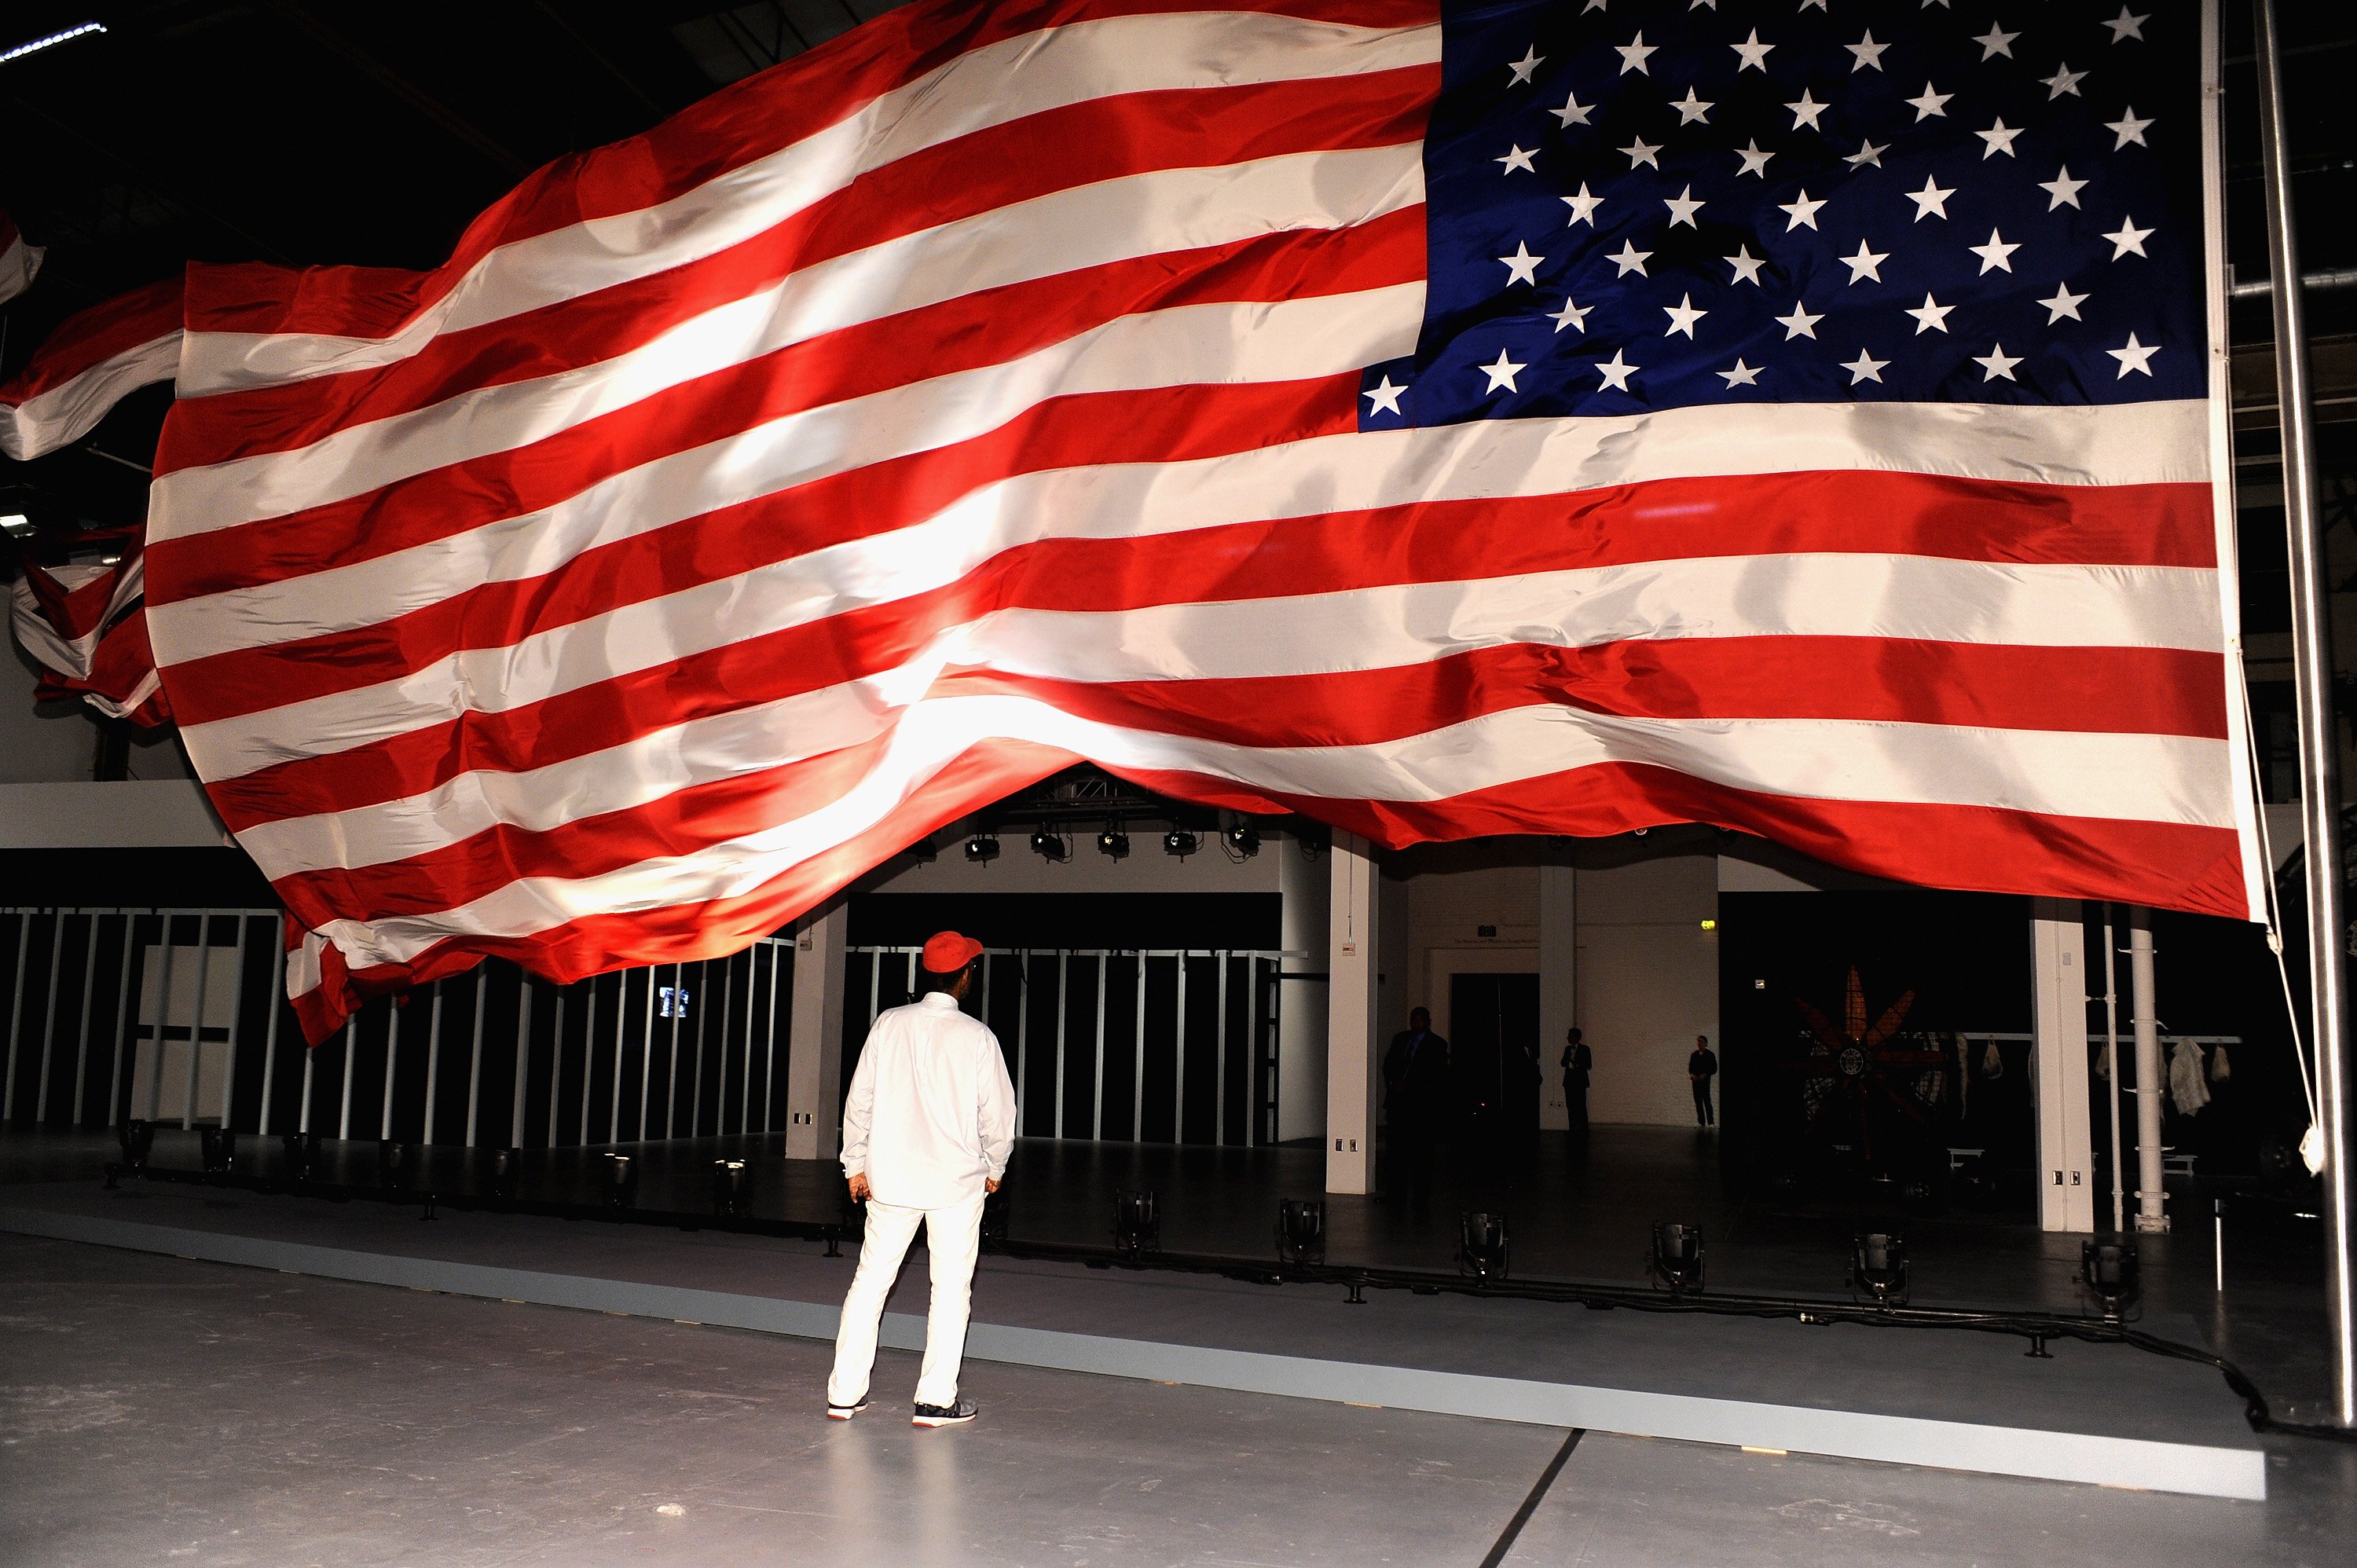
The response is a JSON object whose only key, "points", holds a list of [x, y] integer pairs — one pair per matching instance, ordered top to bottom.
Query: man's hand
{"points": [[988, 1185], [859, 1188]]}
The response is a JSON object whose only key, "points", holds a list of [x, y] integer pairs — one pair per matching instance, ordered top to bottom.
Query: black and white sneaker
{"points": [[845, 1412], [956, 1415]]}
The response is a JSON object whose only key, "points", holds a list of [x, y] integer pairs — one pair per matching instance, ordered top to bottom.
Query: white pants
{"points": [[952, 1239]]}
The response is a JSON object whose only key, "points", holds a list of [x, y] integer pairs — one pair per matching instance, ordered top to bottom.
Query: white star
{"points": [[2128, 26], [1996, 41], [1867, 51], [1632, 54], [1754, 54], [1525, 67], [2064, 80], [1932, 103], [1691, 109], [1806, 111], [1573, 112], [2128, 128], [1999, 139], [1642, 151], [1868, 154], [1516, 159], [1754, 160], [2063, 188], [1931, 201], [1583, 206], [1682, 207], [1804, 212], [2127, 237], [1997, 255], [1629, 260], [1747, 265], [1864, 265], [1521, 266], [2062, 304], [1571, 315], [1931, 315], [1683, 316], [1800, 323], [2137, 357], [1996, 363], [1864, 367], [1617, 372], [1501, 374], [1743, 375], [1383, 396]]}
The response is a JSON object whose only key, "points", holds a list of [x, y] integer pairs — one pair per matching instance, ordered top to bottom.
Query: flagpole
{"points": [[2312, 676]]}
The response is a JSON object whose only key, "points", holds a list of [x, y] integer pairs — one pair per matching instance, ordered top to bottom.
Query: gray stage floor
{"points": [[160, 1411]]}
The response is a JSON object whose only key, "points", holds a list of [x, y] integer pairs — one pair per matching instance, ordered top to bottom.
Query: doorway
{"points": [[1493, 1059]]}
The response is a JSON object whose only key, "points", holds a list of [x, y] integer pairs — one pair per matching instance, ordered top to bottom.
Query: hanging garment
{"points": [[1992, 1064], [2220, 1069], [1963, 1077], [2185, 1083]]}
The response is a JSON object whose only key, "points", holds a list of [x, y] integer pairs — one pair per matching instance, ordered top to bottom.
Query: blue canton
{"points": [[1650, 204]]}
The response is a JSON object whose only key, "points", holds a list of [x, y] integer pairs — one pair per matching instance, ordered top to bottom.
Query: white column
{"points": [[1307, 902], [1558, 969], [815, 1037], [2151, 1076], [1353, 1079], [2066, 1192]]}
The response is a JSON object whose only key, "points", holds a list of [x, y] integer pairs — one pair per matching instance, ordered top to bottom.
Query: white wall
{"points": [[1647, 980], [1301, 1003]]}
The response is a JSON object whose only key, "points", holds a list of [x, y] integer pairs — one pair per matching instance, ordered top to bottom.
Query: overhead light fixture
{"points": [[35, 46], [16, 524], [1243, 839], [1180, 843], [1114, 844], [1050, 846], [982, 849], [921, 851], [1136, 1222], [1300, 1230], [1482, 1247], [1677, 1256], [1878, 1267], [2108, 1269]]}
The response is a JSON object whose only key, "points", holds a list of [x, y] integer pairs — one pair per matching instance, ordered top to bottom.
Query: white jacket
{"points": [[931, 1112]]}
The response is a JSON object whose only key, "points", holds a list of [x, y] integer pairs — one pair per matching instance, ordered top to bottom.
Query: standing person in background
{"points": [[1576, 1060], [1702, 1067], [1417, 1093], [927, 1128]]}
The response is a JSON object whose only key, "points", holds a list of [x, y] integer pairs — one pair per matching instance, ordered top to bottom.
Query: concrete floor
{"points": [[155, 1410]]}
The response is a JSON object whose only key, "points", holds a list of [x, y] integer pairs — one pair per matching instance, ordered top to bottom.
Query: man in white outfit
{"points": [[926, 1132]]}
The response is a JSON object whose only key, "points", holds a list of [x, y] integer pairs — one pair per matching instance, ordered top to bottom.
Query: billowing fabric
{"points": [[20, 261], [88, 365], [86, 625]]}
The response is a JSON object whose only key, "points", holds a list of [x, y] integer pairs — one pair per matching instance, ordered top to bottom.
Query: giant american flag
{"points": [[1440, 420]]}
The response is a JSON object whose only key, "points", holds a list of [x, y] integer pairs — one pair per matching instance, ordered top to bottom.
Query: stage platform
{"points": [[2102, 1415]]}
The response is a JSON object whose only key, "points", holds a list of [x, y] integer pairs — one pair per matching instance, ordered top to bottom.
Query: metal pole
{"points": [[2312, 684], [1063, 976], [89, 989], [277, 1003], [393, 1010], [17, 1012], [197, 1014], [48, 1020], [124, 1023], [236, 1023], [163, 1024], [702, 1027], [1022, 1034], [770, 1041], [352, 1044], [589, 1052], [475, 1053], [647, 1053], [671, 1053], [2111, 1056], [433, 1062], [522, 1062], [555, 1062], [745, 1066], [1179, 1077], [1137, 1082], [303, 1111], [614, 1112], [1220, 1115], [1096, 1119], [2152, 1212]]}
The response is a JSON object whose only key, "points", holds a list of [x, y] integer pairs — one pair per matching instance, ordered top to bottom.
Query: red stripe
{"points": [[746, 121], [1081, 144], [990, 326], [88, 337], [1844, 512]]}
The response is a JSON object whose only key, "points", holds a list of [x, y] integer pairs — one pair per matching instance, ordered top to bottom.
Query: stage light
{"points": [[33, 46], [17, 524], [1243, 839], [1180, 843], [1114, 844], [1050, 846], [982, 849], [921, 851], [138, 1140], [218, 1149], [301, 1152], [393, 1165], [505, 1165], [621, 1181], [732, 1184], [995, 1215], [1136, 1222], [1300, 1230], [1481, 1248], [1677, 1256], [1878, 1267], [2108, 1268]]}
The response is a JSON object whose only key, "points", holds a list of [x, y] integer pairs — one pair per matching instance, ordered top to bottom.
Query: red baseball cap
{"points": [[947, 952]]}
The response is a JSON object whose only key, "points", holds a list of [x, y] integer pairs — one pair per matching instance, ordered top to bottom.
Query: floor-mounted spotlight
{"points": [[1243, 839], [1180, 843], [1114, 844], [1050, 846], [982, 849], [921, 851], [137, 1137], [218, 1147], [301, 1154], [395, 1164], [506, 1165], [621, 1181], [732, 1184], [995, 1215], [1136, 1222], [1300, 1230], [1482, 1248], [1677, 1256], [1878, 1265], [2108, 1269]]}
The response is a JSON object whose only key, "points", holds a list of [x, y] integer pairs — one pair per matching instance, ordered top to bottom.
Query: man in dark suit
{"points": [[1576, 1060], [1701, 1068], [1415, 1098]]}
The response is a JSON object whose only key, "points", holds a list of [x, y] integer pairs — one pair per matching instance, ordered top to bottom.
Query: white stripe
{"points": [[989, 86], [1141, 216], [71, 410], [2121, 444], [1909, 597], [2127, 778]]}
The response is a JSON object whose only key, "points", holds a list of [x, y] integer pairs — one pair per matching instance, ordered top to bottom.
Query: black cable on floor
{"points": [[1505, 1541]]}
